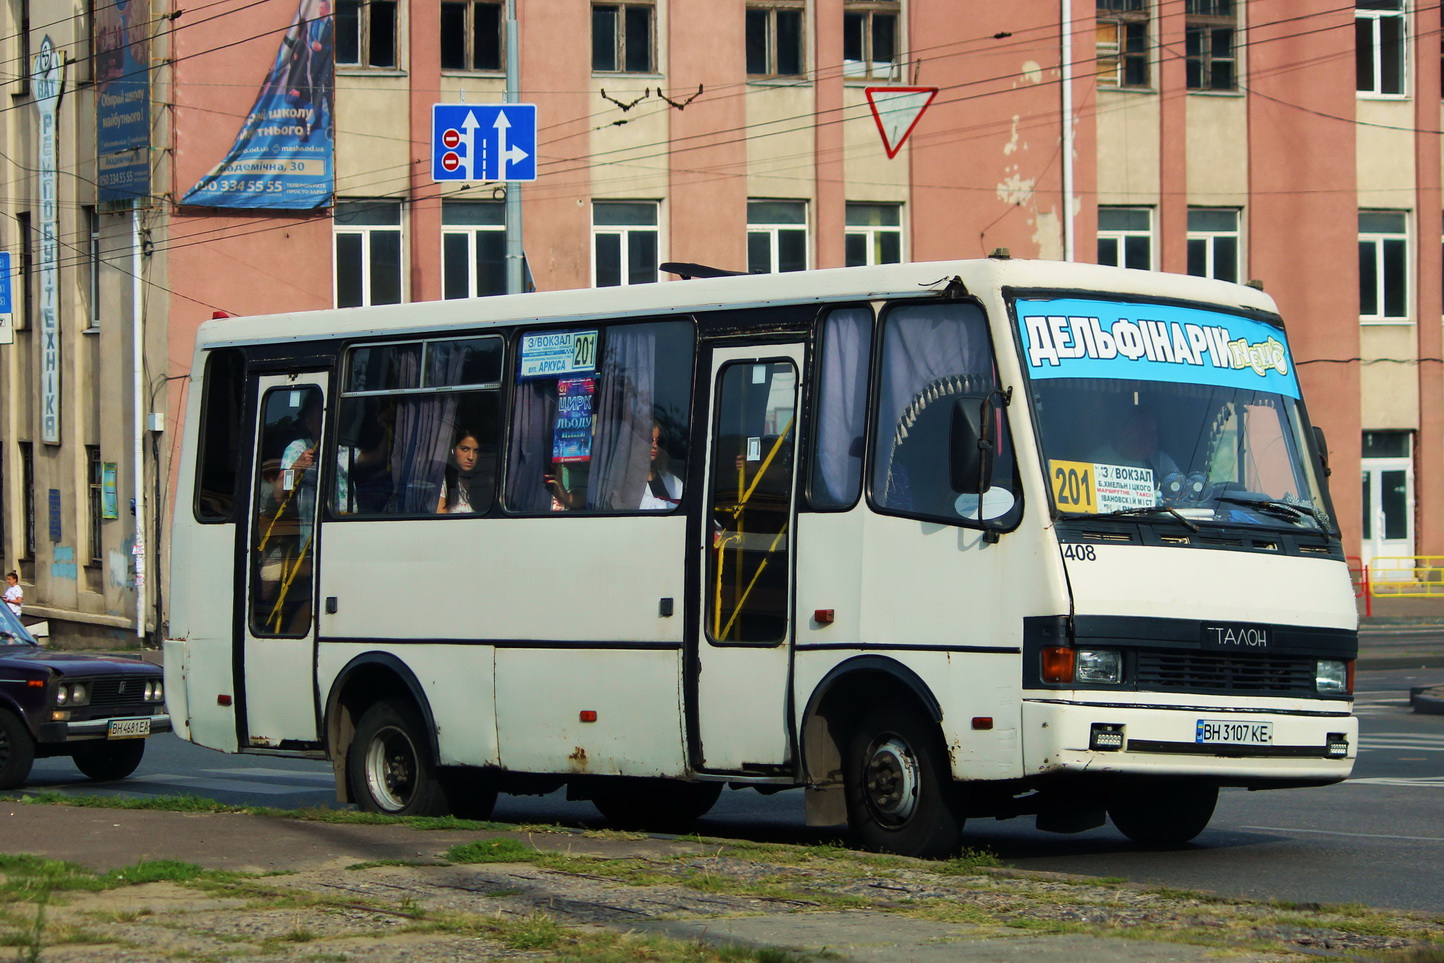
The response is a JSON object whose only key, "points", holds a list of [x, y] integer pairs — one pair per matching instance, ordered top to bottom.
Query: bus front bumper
{"points": [[1233, 744]]}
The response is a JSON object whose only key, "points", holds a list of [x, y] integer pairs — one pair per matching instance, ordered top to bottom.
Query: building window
{"points": [[20, 10], [366, 33], [471, 35], [1379, 35], [622, 38], [775, 41], [870, 41], [1209, 42], [1122, 43], [92, 220], [873, 234], [776, 236], [1125, 237], [624, 243], [1213, 245], [473, 249], [368, 253], [1383, 266], [23, 270], [93, 472], [27, 496]]}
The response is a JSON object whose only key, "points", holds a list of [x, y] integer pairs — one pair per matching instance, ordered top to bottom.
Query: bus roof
{"points": [[741, 291]]}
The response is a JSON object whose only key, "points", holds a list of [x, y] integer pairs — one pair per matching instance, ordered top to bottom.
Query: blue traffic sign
{"points": [[483, 142], [5, 306]]}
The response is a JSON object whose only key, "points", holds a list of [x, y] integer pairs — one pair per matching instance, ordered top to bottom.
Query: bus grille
{"points": [[1202, 672]]}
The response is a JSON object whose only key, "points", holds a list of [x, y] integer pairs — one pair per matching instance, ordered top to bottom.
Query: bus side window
{"points": [[931, 355], [583, 420], [837, 453], [217, 471]]}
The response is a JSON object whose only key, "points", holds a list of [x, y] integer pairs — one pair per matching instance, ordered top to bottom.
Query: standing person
{"points": [[14, 597]]}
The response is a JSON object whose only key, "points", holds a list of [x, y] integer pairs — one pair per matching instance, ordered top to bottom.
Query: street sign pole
{"points": [[514, 246]]}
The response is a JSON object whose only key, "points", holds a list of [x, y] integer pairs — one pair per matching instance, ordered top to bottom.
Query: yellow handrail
{"points": [[1406, 575]]}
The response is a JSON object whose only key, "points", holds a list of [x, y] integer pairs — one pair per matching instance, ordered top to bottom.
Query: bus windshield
{"points": [[1171, 412]]}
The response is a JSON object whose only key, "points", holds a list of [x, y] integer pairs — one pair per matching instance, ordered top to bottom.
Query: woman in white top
{"points": [[461, 473], [664, 489], [14, 597]]}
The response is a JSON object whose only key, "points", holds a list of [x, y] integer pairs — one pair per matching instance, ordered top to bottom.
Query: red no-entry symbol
{"points": [[451, 138], [450, 161]]}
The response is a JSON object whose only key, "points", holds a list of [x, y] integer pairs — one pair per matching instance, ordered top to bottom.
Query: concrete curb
{"points": [[1427, 699]]}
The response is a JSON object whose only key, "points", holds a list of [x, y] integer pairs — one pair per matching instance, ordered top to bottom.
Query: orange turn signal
{"points": [[1057, 664]]}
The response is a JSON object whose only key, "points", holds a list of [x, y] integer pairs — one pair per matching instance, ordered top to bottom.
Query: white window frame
{"points": [[1369, 28], [771, 41], [365, 231], [773, 231], [470, 233], [623, 233], [873, 233], [1120, 236], [1211, 237], [1377, 239]]}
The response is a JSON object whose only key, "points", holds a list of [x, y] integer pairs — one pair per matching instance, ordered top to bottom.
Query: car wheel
{"points": [[17, 751], [105, 761], [389, 766], [900, 794], [664, 805], [1163, 813]]}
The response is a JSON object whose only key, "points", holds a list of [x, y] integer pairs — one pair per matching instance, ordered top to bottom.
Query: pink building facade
{"points": [[1237, 138]]}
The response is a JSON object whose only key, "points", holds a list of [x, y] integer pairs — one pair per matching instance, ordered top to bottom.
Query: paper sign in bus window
{"points": [[557, 354], [572, 436], [1095, 487]]}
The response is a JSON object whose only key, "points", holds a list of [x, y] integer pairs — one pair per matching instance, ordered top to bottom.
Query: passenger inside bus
{"points": [[1134, 443], [465, 470], [664, 489]]}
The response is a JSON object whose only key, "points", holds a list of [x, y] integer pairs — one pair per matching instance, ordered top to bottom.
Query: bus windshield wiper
{"points": [[1278, 508], [1145, 510]]}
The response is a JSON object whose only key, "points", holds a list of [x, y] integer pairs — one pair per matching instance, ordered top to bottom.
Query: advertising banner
{"points": [[122, 98], [283, 154], [1078, 338]]}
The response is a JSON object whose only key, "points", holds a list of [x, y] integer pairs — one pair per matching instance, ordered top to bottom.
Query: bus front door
{"points": [[744, 649], [276, 699]]}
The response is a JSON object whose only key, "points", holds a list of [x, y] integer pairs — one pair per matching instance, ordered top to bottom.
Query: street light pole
{"points": [[514, 249]]}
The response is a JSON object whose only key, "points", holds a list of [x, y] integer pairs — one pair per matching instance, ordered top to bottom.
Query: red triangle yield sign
{"points": [[897, 111]]}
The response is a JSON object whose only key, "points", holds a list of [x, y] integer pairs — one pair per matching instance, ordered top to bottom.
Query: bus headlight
{"points": [[1099, 666], [1332, 675]]}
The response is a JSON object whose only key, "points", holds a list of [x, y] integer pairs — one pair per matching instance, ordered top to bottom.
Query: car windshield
{"points": [[1170, 413], [11, 631]]}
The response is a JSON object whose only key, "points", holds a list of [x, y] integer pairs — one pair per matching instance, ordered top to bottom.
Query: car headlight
{"points": [[1099, 666], [1332, 675], [154, 691], [72, 694]]}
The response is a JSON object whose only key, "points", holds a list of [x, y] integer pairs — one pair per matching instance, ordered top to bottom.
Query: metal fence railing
{"points": [[1405, 576]]}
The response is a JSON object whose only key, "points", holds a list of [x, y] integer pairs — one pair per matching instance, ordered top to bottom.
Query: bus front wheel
{"points": [[389, 766], [900, 796], [1163, 813]]}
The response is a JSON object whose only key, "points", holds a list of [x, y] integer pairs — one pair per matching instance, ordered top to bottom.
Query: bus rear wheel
{"points": [[389, 766], [900, 797], [659, 804], [1163, 813]]}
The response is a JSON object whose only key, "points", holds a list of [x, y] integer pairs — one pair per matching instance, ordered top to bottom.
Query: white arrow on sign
{"points": [[468, 137], [505, 155]]}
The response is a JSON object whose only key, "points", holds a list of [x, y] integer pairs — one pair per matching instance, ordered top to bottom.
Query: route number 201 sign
{"points": [[1074, 486]]}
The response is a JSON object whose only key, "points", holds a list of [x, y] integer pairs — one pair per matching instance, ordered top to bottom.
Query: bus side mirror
{"points": [[971, 446], [1323, 446]]}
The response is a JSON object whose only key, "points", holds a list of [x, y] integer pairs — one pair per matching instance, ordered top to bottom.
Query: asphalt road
{"points": [[1377, 840]]}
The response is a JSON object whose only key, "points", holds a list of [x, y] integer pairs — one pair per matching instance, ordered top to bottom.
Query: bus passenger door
{"points": [[744, 644], [277, 702]]}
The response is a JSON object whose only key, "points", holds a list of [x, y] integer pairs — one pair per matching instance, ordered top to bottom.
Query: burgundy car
{"points": [[99, 710]]}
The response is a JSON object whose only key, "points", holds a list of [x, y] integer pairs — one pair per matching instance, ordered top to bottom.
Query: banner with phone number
{"points": [[1084, 338]]}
